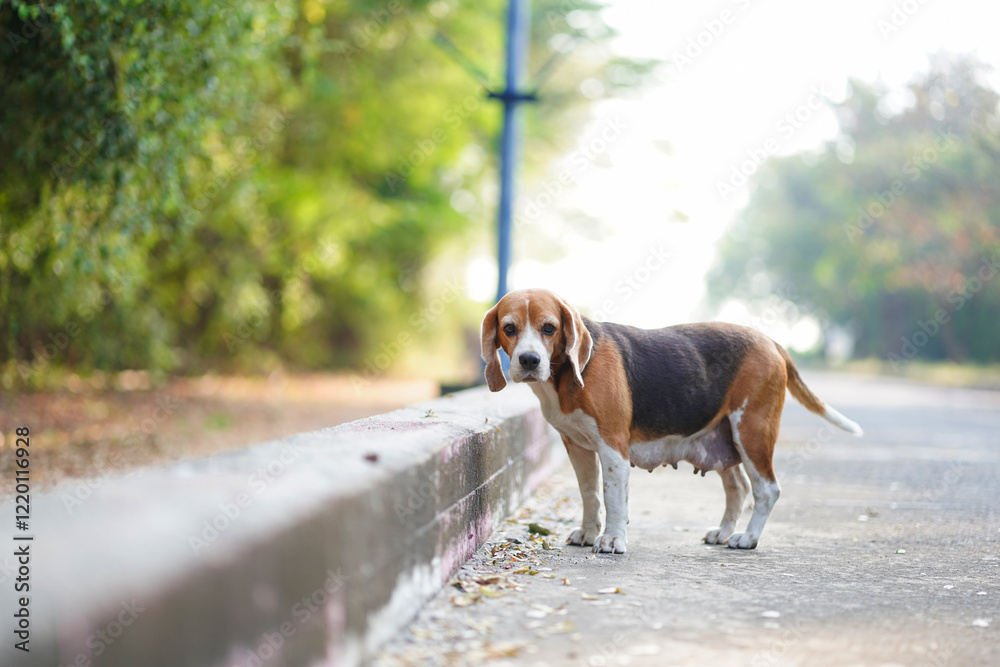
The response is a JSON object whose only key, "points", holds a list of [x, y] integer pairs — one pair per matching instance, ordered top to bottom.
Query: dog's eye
{"points": [[509, 329], [548, 329]]}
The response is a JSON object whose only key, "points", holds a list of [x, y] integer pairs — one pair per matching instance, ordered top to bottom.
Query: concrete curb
{"points": [[309, 550]]}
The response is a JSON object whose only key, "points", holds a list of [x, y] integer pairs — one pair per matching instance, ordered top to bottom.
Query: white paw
{"points": [[717, 535], [583, 537], [742, 541], [610, 544]]}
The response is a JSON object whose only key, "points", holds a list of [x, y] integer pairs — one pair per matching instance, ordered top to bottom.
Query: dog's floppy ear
{"points": [[578, 340], [494, 372]]}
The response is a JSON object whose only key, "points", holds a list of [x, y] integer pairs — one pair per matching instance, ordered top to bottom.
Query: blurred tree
{"points": [[246, 184], [893, 230]]}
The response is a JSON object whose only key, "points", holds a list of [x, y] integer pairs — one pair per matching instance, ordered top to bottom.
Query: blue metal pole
{"points": [[517, 54]]}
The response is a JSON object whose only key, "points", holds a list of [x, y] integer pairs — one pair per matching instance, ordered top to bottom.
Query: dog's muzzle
{"points": [[529, 361], [528, 367]]}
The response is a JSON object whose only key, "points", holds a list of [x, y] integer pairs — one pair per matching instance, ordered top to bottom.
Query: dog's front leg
{"points": [[615, 470], [588, 476]]}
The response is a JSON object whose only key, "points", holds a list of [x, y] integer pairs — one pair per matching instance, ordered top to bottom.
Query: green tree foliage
{"points": [[192, 183], [894, 230]]}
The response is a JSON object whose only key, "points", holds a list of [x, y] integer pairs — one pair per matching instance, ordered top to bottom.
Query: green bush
{"points": [[243, 184]]}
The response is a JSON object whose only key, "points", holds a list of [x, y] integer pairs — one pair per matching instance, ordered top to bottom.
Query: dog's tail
{"points": [[811, 401]]}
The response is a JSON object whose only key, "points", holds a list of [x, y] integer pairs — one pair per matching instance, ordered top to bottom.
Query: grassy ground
{"points": [[84, 431]]}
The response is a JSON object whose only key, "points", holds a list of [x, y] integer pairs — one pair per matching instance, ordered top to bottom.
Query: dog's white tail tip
{"points": [[843, 422]]}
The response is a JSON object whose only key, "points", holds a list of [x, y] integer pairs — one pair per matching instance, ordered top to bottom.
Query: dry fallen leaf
{"points": [[538, 529], [490, 592], [539, 611], [562, 628], [505, 650]]}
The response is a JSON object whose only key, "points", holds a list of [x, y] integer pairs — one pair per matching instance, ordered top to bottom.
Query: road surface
{"points": [[883, 550]]}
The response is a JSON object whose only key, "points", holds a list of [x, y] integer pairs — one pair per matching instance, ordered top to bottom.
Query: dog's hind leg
{"points": [[755, 431], [737, 486]]}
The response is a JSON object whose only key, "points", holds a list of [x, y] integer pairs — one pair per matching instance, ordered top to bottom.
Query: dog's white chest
{"points": [[578, 426]]}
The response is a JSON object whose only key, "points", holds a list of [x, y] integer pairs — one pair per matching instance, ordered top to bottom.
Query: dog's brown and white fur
{"points": [[710, 394]]}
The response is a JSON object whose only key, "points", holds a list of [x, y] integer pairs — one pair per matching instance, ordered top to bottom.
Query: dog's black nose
{"points": [[529, 362]]}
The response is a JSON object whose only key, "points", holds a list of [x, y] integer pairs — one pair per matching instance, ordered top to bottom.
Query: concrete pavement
{"points": [[883, 550]]}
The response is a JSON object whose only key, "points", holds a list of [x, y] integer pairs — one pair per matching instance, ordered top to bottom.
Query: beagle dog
{"points": [[710, 394]]}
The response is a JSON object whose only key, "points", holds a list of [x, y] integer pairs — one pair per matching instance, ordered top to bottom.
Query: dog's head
{"points": [[539, 332]]}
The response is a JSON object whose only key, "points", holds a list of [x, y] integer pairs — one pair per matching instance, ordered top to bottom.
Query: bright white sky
{"points": [[730, 99]]}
